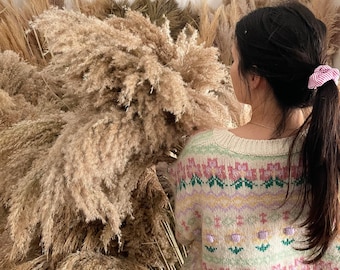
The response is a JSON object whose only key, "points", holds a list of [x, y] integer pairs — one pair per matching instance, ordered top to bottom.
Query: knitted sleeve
{"points": [[184, 174]]}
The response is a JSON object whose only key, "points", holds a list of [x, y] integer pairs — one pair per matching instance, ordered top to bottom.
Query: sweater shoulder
{"points": [[224, 141]]}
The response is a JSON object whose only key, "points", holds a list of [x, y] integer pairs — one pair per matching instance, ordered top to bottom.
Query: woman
{"points": [[265, 195]]}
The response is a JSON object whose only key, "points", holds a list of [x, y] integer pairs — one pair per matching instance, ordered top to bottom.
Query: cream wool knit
{"points": [[231, 205]]}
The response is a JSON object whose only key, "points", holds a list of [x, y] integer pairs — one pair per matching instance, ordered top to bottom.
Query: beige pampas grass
{"points": [[158, 11], [329, 13], [209, 21], [15, 33], [22, 80], [7, 111], [87, 181], [93, 260]]}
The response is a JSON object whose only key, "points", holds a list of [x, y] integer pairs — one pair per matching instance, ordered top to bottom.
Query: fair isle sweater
{"points": [[231, 207]]}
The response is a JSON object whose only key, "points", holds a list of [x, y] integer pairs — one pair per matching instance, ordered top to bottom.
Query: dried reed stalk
{"points": [[15, 33]]}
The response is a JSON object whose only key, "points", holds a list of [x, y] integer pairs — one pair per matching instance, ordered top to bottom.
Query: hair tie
{"points": [[321, 75]]}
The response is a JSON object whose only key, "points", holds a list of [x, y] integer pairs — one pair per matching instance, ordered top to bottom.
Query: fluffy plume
{"points": [[158, 11], [329, 13], [85, 178]]}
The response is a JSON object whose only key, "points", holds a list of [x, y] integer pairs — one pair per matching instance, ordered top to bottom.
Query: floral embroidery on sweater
{"points": [[241, 175], [232, 202]]}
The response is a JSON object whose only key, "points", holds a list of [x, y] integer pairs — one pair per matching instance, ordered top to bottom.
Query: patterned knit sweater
{"points": [[232, 208]]}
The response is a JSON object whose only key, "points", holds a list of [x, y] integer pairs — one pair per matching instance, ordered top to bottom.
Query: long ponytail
{"points": [[285, 44], [321, 165]]}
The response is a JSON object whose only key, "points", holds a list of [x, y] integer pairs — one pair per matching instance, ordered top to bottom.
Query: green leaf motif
{"points": [[196, 180], [215, 180], [211, 182], [219, 182], [279, 182], [239, 183], [248, 183], [269, 183], [182, 185], [287, 241], [263, 247], [211, 249], [236, 250]]}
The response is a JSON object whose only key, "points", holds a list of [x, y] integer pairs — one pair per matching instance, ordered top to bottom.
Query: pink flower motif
{"points": [[193, 168], [212, 169], [296, 170], [241, 171], [273, 171], [180, 172], [289, 231], [262, 235], [235, 237], [210, 238]]}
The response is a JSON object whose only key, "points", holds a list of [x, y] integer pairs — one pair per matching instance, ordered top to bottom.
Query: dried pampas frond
{"points": [[57, 3], [101, 9], [157, 10], [160, 10], [329, 13], [209, 21], [217, 27], [15, 33], [20, 79], [6, 109], [86, 186], [147, 221], [5, 240], [93, 260], [39, 263]]}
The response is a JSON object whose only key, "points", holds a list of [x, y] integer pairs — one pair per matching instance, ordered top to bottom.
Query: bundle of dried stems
{"points": [[157, 11], [15, 33], [82, 128], [87, 182]]}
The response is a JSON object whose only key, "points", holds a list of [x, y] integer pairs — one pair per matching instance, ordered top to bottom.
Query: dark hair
{"points": [[284, 44]]}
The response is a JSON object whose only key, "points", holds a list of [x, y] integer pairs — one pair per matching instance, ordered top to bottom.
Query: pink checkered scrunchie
{"points": [[321, 75]]}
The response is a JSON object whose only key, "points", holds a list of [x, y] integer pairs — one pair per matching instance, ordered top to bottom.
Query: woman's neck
{"points": [[263, 126]]}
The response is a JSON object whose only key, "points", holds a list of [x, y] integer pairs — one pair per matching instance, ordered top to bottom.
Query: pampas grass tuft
{"points": [[158, 11], [329, 13], [88, 181]]}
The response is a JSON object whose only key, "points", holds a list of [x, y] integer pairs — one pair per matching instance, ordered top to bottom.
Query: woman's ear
{"points": [[255, 81]]}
